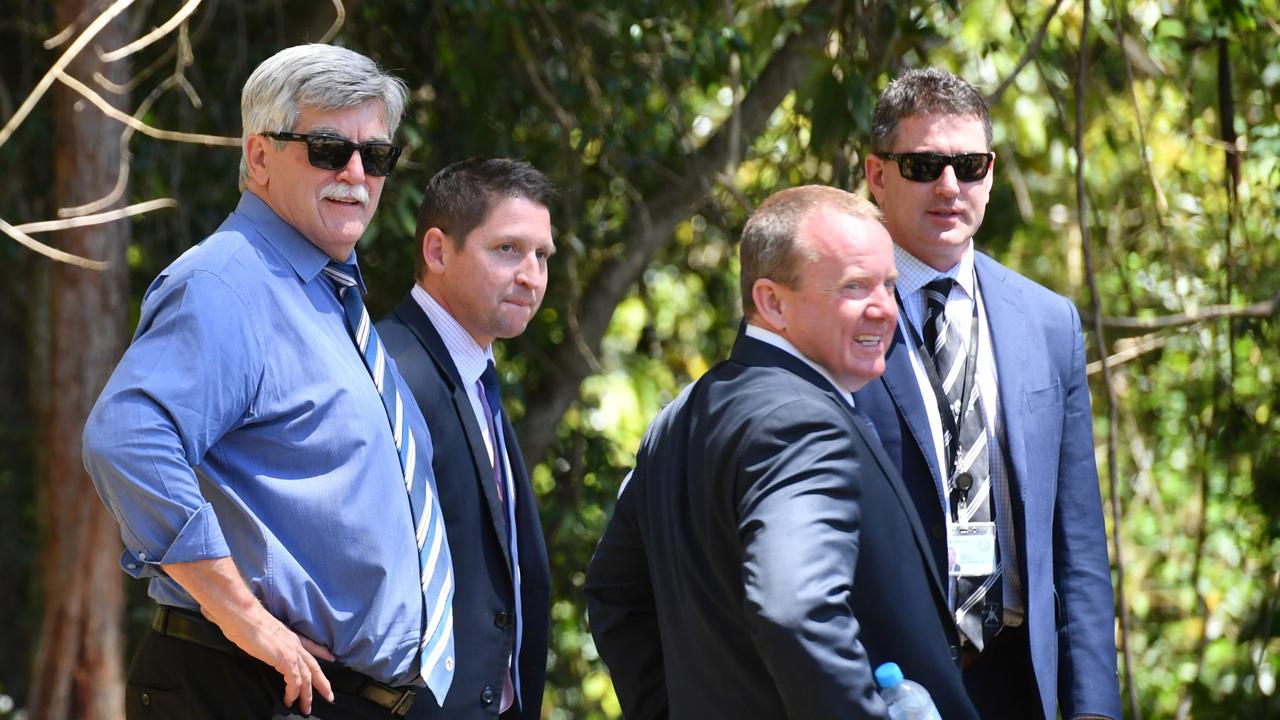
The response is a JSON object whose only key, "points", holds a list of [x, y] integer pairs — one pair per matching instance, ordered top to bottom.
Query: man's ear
{"points": [[255, 154], [874, 166], [434, 252], [770, 301]]}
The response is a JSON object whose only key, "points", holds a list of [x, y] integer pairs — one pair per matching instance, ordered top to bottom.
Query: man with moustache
{"points": [[484, 243], [984, 408], [268, 468], [764, 556]]}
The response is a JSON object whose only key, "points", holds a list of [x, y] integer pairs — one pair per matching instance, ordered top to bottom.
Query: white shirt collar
{"points": [[776, 340], [470, 359]]}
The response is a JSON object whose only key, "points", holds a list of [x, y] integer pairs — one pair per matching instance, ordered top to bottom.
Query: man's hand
{"points": [[226, 601]]}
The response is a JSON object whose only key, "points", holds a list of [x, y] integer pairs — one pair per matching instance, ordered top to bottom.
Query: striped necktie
{"points": [[978, 598], [435, 650]]}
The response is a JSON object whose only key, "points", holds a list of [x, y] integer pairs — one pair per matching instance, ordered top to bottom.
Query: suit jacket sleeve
{"points": [[800, 476], [622, 613], [1087, 683]]}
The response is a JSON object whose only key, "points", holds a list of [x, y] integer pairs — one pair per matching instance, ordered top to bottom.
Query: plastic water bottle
{"points": [[906, 700]]}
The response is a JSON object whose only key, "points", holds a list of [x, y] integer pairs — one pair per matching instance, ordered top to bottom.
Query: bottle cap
{"points": [[888, 675]]}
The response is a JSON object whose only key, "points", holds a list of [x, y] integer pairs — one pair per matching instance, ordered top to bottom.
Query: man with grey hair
{"points": [[984, 408], [269, 470], [764, 556]]}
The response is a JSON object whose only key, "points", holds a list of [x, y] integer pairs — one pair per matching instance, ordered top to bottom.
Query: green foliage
{"points": [[610, 99]]}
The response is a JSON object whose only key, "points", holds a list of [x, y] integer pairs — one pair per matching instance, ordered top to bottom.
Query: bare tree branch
{"points": [[183, 13], [338, 21], [1030, 53], [42, 87], [133, 122], [97, 219], [50, 252], [1260, 309], [1129, 349]]}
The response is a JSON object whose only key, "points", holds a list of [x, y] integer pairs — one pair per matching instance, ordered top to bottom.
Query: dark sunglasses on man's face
{"points": [[328, 152], [927, 166]]}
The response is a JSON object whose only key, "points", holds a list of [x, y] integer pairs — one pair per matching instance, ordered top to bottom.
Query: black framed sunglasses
{"points": [[328, 152], [927, 166]]}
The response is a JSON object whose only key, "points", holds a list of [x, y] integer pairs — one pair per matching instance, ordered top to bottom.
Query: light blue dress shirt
{"points": [[243, 422]]}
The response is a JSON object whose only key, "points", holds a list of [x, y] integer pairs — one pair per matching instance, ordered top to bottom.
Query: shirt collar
{"points": [[303, 256], [914, 274], [776, 340], [470, 359]]}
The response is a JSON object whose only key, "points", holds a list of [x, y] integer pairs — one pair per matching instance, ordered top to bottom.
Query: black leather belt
{"points": [[193, 627]]}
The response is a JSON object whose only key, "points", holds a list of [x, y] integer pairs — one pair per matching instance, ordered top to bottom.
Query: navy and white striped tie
{"points": [[978, 597], [435, 650]]}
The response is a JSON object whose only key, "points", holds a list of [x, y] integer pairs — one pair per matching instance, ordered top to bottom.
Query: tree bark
{"points": [[650, 226], [78, 671]]}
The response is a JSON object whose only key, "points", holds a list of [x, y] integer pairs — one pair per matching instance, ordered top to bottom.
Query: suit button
{"points": [[939, 532], [501, 619], [955, 652], [486, 696], [146, 698]]}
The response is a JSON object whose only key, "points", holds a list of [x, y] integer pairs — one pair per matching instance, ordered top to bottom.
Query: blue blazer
{"points": [[1057, 508], [483, 600]]}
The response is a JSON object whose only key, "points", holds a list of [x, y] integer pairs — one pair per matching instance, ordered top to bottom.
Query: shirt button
{"points": [[939, 532], [501, 619], [486, 696]]}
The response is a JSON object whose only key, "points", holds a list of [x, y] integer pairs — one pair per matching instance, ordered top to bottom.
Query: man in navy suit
{"points": [[485, 234], [984, 407], [764, 556]]}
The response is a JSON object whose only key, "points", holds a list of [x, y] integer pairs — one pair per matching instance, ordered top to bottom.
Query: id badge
{"points": [[971, 549]]}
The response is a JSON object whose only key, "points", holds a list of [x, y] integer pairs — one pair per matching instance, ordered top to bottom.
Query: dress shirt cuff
{"points": [[200, 539]]}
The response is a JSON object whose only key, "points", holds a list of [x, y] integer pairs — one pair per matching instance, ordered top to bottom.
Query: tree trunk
{"points": [[79, 665]]}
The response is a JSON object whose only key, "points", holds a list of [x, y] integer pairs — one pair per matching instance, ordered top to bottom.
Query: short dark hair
{"points": [[924, 91], [459, 197], [770, 247]]}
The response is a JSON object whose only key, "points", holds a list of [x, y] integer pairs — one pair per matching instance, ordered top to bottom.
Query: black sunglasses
{"points": [[328, 152], [927, 166]]}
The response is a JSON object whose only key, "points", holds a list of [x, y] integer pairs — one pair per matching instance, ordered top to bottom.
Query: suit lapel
{"points": [[417, 321], [1006, 321], [900, 380]]}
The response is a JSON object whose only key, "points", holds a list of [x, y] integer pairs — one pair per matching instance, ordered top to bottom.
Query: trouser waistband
{"points": [[193, 627]]}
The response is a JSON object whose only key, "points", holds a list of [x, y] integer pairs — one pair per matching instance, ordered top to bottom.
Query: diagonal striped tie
{"points": [[978, 598], [435, 651]]}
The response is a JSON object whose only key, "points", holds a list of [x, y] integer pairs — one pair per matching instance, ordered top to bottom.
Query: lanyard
{"points": [[949, 419]]}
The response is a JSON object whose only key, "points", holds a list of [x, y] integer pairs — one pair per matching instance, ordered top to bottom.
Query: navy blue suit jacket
{"points": [[1061, 540], [764, 557], [483, 601]]}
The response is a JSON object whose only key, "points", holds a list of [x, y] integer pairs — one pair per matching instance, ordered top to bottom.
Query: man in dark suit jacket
{"points": [[485, 232], [763, 557], [1046, 637]]}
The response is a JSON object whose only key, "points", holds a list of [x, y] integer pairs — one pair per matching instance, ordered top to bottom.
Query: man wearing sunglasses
{"points": [[984, 408], [269, 469]]}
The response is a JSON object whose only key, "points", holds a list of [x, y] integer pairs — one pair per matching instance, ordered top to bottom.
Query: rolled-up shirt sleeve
{"points": [[189, 376]]}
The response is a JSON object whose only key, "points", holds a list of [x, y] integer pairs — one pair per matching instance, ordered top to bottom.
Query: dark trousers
{"points": [[177, 679], [1000, 681]]}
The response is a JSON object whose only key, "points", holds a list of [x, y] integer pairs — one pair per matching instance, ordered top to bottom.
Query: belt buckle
{"points": [[402, 705]]}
